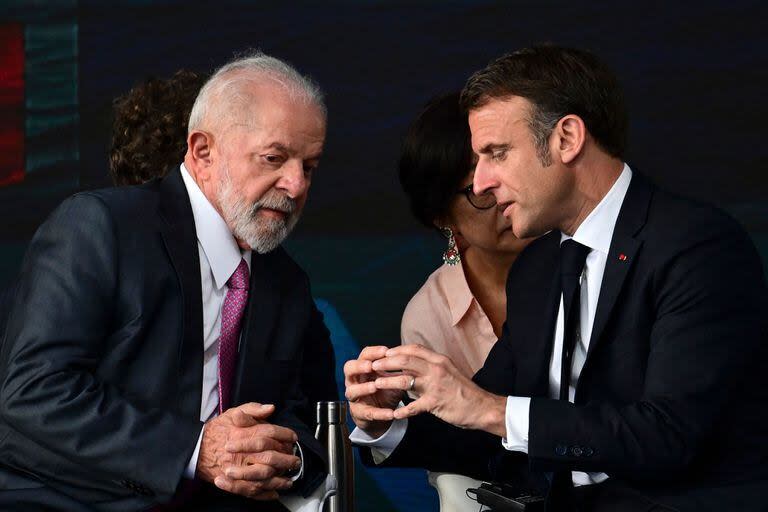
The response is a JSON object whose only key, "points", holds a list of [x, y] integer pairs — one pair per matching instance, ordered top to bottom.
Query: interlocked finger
{"points": [[419, 352], [373, 353], [403, 362], [357, 371], [397, 382], [355, 392], [412, 409], [370, 413], [248, 415], [250, 441], [262, 444], [282, 462], [253, 472], [252, 489]]}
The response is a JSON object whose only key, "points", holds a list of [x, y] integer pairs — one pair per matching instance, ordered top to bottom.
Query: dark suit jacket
{"points": [[7, 296], [101, 368], [672, 398]]}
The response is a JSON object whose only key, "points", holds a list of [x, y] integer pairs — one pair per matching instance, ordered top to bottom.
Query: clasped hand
{"points": [[377, 380], [243, 454]]}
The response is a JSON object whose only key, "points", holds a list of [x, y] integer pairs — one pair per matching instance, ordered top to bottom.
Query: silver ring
{"points": [[413, 383]]}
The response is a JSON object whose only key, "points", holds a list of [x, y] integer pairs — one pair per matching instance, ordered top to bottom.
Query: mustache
{"points": [[274, 201]]}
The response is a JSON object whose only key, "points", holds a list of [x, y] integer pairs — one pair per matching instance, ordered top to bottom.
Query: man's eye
{"points": [[499, 156], [273, 159], [309, 169]]}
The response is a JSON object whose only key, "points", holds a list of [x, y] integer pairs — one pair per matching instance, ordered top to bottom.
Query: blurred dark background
{"points": [[694, 75]]}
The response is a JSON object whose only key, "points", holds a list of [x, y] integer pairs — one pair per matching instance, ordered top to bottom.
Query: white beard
{"points": [[261, 234]]}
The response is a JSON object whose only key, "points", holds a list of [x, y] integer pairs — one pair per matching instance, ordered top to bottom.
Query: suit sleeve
{"points": [[708, 325], [319, 364], [316, 383], [51, 391]]}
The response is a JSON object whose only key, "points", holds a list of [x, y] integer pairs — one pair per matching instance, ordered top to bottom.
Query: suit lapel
{"points": [[179, 235], [622, 254], [540, 301], [260, 317]]}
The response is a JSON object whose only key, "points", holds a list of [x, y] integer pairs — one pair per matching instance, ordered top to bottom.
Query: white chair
{"points": [[452, 490]]}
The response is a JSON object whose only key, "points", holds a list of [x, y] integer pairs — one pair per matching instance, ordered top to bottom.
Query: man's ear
{"points": [[570, 136], [199, 145]]}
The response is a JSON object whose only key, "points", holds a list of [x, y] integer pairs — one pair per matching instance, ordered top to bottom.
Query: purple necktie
{"points": [[231, 319]]}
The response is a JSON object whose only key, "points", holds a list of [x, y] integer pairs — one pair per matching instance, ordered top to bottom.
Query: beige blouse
{"points": [[445, 317]]}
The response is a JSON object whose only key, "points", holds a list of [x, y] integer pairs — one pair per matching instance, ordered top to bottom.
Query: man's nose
{"points": [[293, 181], [482, 181]]}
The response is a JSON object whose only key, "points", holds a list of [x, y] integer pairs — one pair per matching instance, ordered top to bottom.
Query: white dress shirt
{"points": [[595, 232], [219, 257]]}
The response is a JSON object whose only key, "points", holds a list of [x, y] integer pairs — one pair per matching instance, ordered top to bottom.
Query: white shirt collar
{"points": [[596, 231], [216, 239]]}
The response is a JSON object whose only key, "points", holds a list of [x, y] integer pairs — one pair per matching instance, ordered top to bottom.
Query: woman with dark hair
{"points": [[149, 130], [460, 309]]}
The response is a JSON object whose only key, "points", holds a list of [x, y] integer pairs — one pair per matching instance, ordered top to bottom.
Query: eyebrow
{"points": [[279, 146], [493, 147], [287, 149]]}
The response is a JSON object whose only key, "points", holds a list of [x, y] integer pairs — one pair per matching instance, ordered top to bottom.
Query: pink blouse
{"points": [[445, 317]]}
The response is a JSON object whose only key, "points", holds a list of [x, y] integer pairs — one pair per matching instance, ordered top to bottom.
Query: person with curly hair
{"points": [[149, 130]]}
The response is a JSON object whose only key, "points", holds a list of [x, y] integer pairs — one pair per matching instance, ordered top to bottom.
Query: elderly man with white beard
{"points": [[164, 352]]}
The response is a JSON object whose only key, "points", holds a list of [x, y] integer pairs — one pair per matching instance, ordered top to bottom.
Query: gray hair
{"points": [[225, 81], [541, 123]]}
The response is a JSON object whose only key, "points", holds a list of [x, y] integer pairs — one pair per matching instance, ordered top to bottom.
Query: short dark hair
{"points": [[557, 81], [149, 130], [436, 156]]}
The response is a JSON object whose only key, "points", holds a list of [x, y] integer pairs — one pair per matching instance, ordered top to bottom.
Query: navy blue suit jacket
{"points": [[101, 367], [672, 398]]}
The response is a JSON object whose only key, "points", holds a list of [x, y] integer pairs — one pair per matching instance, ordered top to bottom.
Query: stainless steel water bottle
{"points": [[333, 434]]}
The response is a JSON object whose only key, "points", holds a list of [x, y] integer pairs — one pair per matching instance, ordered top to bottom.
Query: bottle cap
{"points": [[331, 412]]}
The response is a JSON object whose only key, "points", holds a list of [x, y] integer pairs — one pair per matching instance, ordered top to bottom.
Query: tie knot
{"points": [[573, 255], [239, 278]]}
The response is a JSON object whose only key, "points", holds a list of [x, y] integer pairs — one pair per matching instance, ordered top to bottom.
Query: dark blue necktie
{"points": [[573, 256]]}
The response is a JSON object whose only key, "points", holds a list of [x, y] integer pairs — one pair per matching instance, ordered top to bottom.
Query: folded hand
{"points": [[440, 389], [372, 409], [241, 453]]}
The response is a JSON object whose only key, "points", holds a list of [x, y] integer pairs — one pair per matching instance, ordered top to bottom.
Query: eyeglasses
{"points": [[481, 202]]}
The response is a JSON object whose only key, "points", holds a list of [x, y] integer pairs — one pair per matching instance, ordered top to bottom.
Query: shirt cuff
{"points": [[516, 419], [382, 446], [192, 466], [299, 472]]}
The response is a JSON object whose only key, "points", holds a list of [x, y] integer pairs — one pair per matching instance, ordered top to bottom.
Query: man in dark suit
{"points": [[6, 301], [163, 347], [629, 374]]}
